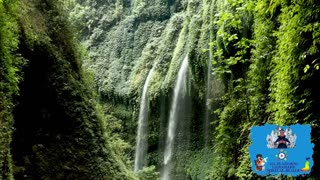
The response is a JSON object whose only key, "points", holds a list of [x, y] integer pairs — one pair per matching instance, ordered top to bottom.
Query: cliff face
{"points": [[126, 39], [263, 58], [8, 85], [54, 130]]}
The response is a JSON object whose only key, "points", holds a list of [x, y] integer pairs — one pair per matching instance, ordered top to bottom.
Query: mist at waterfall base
{"points": [[178, 132], [142, 136]]}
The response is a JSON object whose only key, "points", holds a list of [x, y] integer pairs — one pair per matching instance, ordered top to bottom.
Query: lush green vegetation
{"points": [[264, 60], [277, 63], [9, 73], [72, 73], [60, 131]]}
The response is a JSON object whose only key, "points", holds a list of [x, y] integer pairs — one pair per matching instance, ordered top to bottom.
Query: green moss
{"points": [[151, 10], [265, 55], [10, 65], [59, 133], [149, 173]]}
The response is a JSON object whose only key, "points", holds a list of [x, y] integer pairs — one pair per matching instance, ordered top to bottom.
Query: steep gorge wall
{"points": [[126, 39], [264, 53], [51, 126]]}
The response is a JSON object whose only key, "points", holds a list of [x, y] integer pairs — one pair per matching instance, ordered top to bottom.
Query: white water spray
{"points": [[180, 86], [208, 103], [141, 146]]}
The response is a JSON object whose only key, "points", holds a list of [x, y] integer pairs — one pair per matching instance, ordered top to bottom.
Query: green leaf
{"points": [[233, 37], [212, 43], [204, 50], [214, 62], [305, 69]]}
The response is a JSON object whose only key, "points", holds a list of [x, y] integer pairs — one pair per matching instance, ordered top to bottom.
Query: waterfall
{"points": [[179, 92], [207, 120], [141, 146]]}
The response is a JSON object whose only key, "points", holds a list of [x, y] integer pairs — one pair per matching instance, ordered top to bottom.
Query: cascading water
{"points": [[179, 92], [207, 121], [141, 146]]}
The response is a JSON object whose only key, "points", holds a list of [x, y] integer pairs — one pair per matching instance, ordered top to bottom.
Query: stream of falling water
{"points": [[179, 89], [207, 121], [141, 146]]}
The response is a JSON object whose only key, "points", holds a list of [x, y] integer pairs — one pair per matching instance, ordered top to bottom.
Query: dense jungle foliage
{"points": [[72, 74], [51, 125]]}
